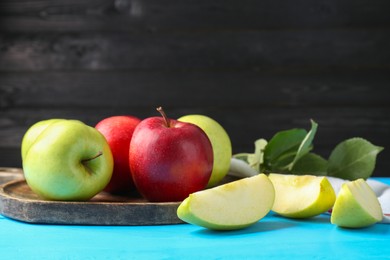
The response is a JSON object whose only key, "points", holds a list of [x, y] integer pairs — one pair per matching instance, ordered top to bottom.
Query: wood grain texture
{"points": [[171, 15], [261, 50], [257, 67], [227, 88], [249, 105], [8, 174], [17, 201]]}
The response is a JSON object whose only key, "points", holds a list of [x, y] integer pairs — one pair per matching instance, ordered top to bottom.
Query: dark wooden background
{"points": [[257, 67]]}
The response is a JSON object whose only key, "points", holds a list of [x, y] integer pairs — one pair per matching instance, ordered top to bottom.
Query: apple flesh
{"points": [[118, 131], [220, 141], [169, 159], [66, 160], [301, 196], [230, 206], [356, 206]]}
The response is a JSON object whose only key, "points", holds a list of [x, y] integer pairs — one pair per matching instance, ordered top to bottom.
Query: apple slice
{"points": [[301, 196], [230, 206], [356, 206]]}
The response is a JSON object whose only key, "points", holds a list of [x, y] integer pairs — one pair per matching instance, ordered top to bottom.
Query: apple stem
{"points": [[166, 119], [100, 153]]}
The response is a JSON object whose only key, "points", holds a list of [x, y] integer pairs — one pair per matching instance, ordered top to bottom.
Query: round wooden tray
{"points": [[9, 174], [19, 202]]}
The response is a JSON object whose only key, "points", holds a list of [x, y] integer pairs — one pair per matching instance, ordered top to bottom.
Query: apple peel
{"points": [[381, 190], [301, 196], [230, 206], [356, 206]]}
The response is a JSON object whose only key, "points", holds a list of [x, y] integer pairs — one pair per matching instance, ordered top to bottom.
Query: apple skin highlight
{"points": [[118, 131], [169, 159], [66, 160]]}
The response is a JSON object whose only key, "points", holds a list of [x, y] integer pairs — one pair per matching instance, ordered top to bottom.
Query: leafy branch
{"points": [[289, 152]]}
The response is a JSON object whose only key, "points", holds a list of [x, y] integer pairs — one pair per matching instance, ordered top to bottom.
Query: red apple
{"points": [[118, 131], [169, 159]]}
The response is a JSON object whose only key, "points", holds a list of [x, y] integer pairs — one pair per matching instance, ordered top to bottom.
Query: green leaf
{"points": [[281, 143], [306, 144], [260, 145], [287, 147], [353, 159], [255, 160], [283, 161], [312, 164]]}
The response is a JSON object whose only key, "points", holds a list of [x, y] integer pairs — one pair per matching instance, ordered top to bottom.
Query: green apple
{"points": [[33, 132], [220, 141], [66, 160], [301, 196], [230, 206], [356, 206]]}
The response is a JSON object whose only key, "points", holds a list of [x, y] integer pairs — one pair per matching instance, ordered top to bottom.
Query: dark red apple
{"points": [[118, 131], [169, 159]]}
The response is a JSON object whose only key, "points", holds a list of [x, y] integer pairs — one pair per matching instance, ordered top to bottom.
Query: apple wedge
{"points": [[301, 196], [230, 206], [356, 206]]}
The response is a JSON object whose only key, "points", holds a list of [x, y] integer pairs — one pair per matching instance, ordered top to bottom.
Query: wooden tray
{"points": [[9, 174], [17, 201]]}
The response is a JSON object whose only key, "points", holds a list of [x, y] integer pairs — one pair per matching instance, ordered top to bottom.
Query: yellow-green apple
{"points": [[118, 131], [33, 132], [220, 141], [169, 159], [66, 160], [301, 196], [230, 206], [356, 206]]}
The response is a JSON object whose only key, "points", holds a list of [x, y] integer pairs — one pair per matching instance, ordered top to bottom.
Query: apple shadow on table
{"points": [[319, 219], [258, 227], [375, 229]]}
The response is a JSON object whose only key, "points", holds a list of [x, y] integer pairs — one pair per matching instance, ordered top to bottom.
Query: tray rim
{"points": [[9, 202]]}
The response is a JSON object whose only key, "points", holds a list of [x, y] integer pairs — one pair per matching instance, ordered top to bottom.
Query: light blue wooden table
{"points": [[273, 237]]}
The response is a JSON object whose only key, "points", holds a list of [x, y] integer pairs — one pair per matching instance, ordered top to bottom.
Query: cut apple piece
{"points": [[301, 196], [230, 206], [356, 206]]}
